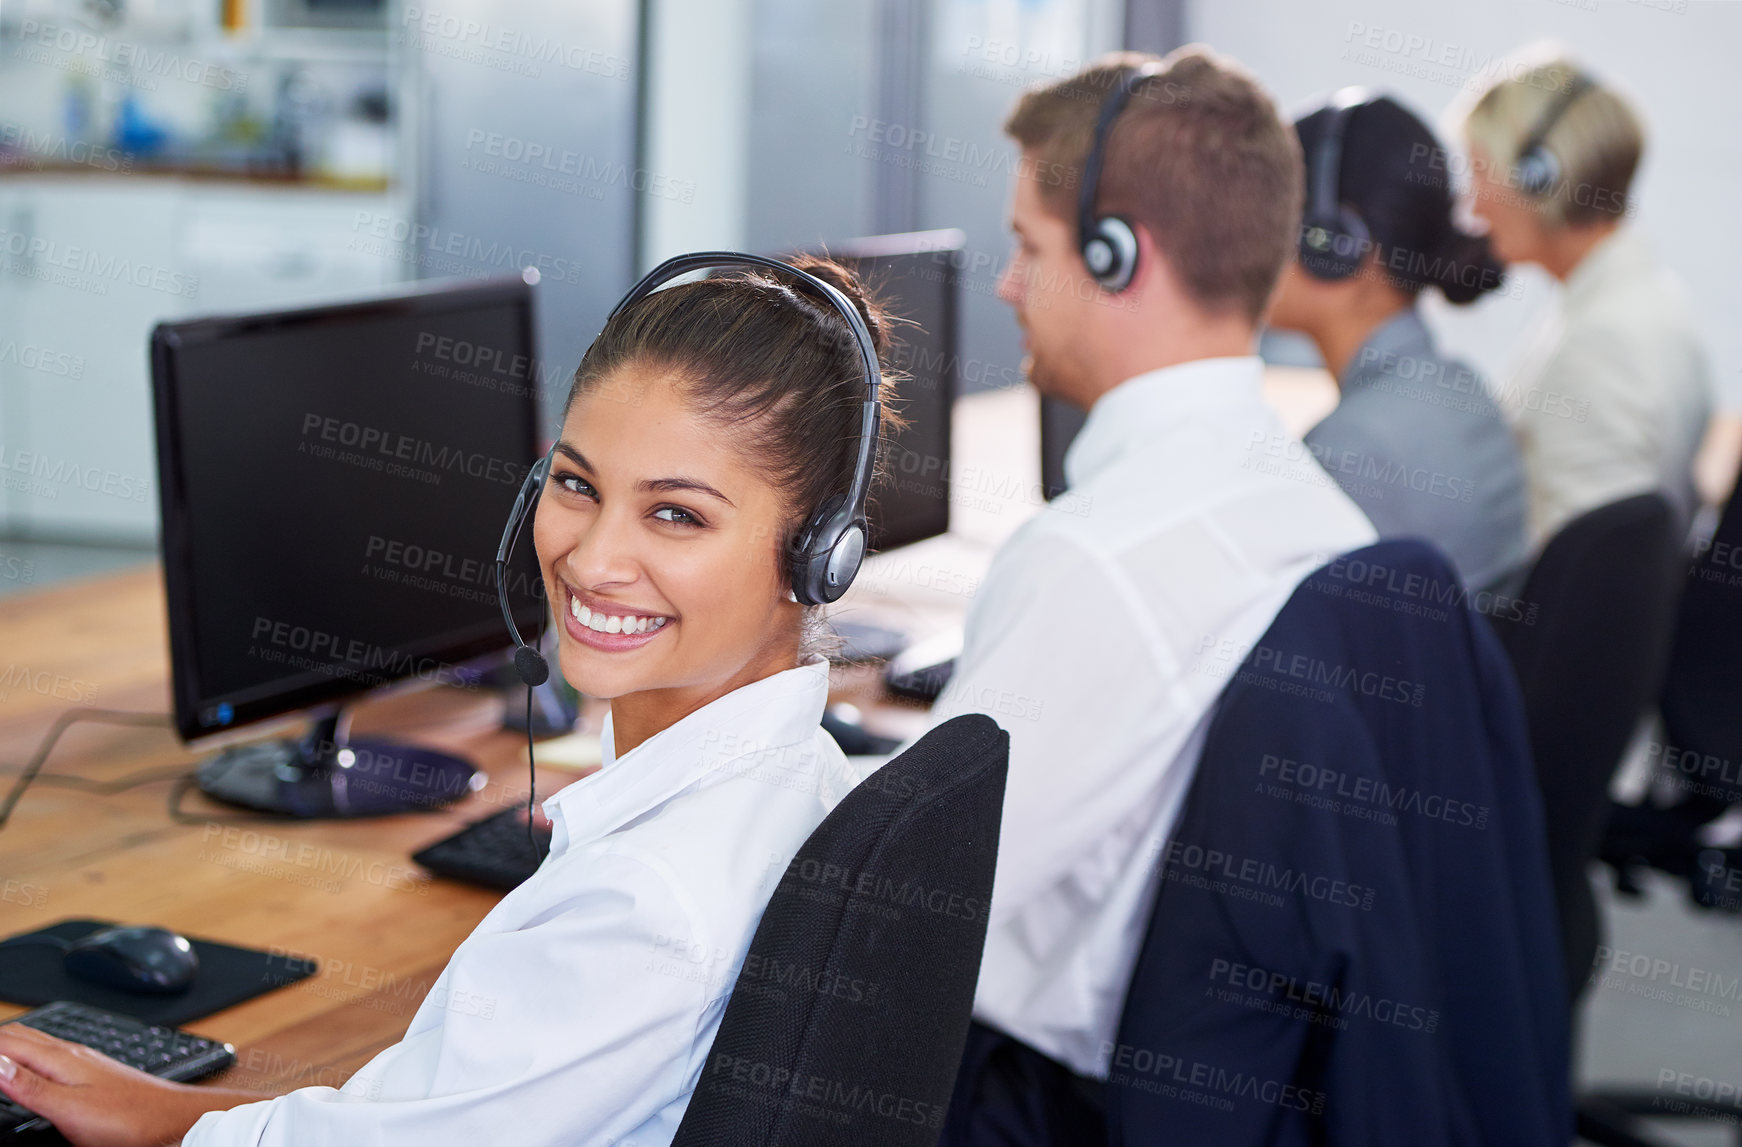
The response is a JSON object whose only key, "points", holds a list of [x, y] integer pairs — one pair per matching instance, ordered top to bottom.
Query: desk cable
{"points": [[33, 770]]}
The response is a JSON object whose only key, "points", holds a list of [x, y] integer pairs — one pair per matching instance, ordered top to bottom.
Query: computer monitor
{"points": [[915, 273], [1059, 423], [333, 483]]}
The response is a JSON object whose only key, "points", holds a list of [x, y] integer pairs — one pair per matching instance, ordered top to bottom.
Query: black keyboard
{"points": [[923, 669], [924, 683], [493, 852], [161, 1051]]}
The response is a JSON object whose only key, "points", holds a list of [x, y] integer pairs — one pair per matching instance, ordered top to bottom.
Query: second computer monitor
{"points": [[915, 274]]}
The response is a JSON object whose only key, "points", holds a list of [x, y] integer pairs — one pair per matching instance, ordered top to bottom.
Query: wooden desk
{"points": [[351, 898]]}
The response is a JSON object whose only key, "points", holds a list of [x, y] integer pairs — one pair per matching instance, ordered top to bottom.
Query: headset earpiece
{"points": [[1537, 170], [1333, 237], [1108, 243], [1332, 247], [1110, 253], [827, 554]]}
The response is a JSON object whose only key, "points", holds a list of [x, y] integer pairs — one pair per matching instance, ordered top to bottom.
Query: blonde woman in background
{"points": [[1614, 398]]}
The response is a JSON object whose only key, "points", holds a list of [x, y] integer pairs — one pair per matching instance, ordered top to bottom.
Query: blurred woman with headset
{"points": [[1614, 398], [708, 424], [1416, 439]]}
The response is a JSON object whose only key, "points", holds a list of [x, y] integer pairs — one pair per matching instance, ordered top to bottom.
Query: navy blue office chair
{"points": [[1353, 938]]}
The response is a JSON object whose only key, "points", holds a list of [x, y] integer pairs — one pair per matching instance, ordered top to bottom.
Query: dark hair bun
{"points": [[1394, 173], [1467, 268], [877, 316]]}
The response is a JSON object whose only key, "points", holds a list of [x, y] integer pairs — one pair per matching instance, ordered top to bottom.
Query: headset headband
{"points": [[1577, 85], [1126, 86], [1328, 155], [870, 420]]}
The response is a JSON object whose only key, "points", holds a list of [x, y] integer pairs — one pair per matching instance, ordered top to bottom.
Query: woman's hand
{"points": [[96, 1101]]}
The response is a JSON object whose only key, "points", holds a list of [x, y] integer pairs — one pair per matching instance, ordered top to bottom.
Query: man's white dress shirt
{"points": [[1614, 398], [1100, 637], [581, 1009]]}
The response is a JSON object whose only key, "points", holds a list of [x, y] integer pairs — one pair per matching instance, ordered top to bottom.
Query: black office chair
{"points": [[1604, 596], [1589, 648], [1702, 716], [1702, 725], [1352, 940], [847, 1022]]}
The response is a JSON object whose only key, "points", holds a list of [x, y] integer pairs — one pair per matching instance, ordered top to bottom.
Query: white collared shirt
{"points": [[1614, 398], [1101, 635], [581, 1009]]}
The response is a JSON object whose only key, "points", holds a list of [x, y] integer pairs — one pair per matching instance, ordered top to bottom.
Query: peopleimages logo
{"points": [[159, 62], [45, 146], [103, 267], [373, 445], [48, 475], [1269, 661], [1321, 781], [1328, 997], [831, 1100]]}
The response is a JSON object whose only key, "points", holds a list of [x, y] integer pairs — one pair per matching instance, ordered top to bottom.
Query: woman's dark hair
{"points": [[1395, 174], [772, 360]]}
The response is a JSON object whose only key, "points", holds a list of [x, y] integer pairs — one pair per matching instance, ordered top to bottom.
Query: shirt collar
{"points": [[1622, 256], [1403, 334], [1136, 410], [776, 712]]}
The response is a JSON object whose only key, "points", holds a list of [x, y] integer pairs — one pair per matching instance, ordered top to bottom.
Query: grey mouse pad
{"points": [[31, 974]]}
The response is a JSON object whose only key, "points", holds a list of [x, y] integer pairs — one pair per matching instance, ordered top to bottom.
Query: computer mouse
{"points": [[134, 959]]}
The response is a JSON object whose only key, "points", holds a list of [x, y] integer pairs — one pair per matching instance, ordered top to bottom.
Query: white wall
{"points": [[1675, 58], [697, 131]]}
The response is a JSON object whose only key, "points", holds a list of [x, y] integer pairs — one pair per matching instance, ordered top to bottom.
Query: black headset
{"points": [[1537, 169], [1333, 236], [1107, 242], [827, 552]]}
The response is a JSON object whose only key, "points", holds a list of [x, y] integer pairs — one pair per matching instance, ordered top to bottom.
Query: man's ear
{"points": [[1155, 272]]}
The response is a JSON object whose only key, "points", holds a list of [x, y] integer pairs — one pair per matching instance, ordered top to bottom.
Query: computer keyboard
{"points": [[923, 669], [493, 852], [161, 1051]]}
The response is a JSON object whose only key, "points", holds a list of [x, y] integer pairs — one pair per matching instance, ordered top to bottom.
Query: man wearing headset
{"points": [[1115, 616]]}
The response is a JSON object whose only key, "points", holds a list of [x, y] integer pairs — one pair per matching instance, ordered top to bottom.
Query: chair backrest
{"points": [[1589, 645], [1701, 715], [1353, 940], [848, 1018]]}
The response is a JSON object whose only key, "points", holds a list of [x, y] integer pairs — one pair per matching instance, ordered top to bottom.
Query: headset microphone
{"points": [[528, 662], [534, 670]]}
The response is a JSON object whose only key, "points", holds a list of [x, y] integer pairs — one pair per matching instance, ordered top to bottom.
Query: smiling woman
{"points": [[710, 423], [705, 427]]}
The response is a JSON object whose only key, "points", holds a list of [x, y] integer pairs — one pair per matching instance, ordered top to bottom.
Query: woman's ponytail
{"points": [[1466, 267]]}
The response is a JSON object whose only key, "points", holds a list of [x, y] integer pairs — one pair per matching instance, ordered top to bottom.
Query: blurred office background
{"points": [[162, 158]]}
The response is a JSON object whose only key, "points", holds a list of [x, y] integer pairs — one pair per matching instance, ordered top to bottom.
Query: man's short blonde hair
{"points": [[1597, 139], [1199, 157]]}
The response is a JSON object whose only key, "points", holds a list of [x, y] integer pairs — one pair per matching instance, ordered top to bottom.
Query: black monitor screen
{"points": [[915, 274], [1059, 423], [335, 483]]}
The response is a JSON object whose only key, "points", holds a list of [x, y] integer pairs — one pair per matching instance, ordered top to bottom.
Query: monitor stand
{"points": [[328, 774]]}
